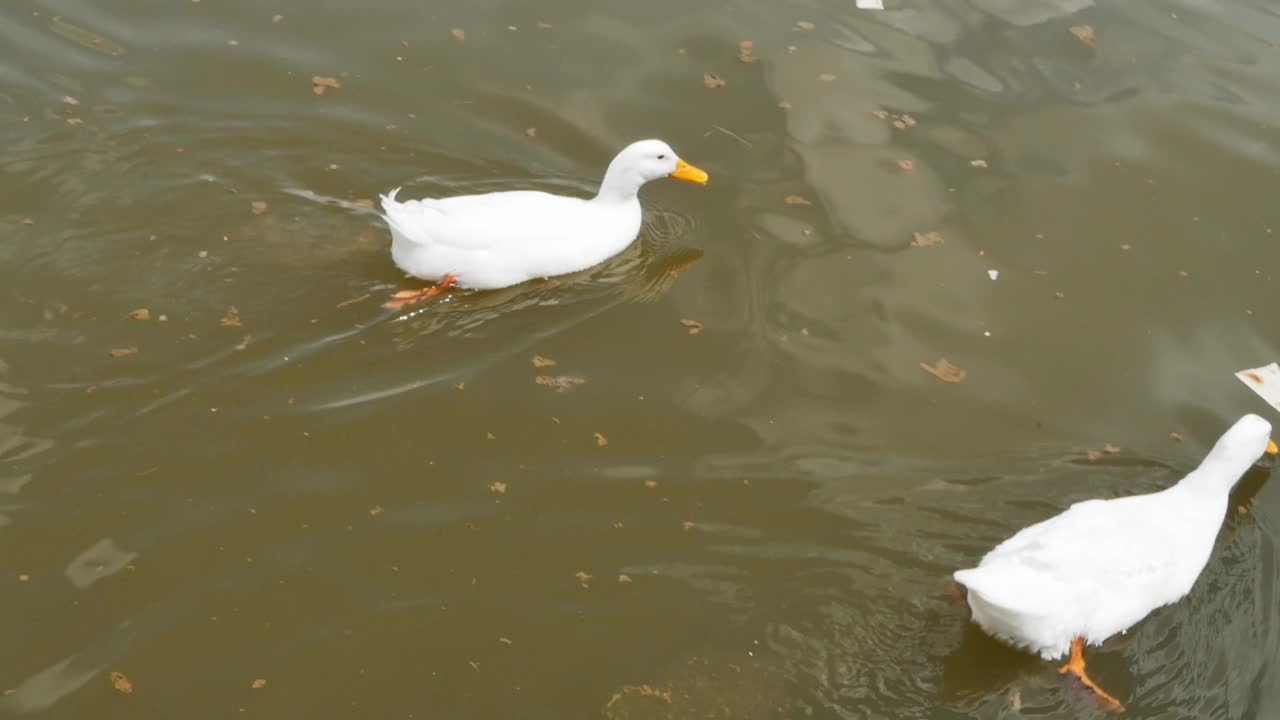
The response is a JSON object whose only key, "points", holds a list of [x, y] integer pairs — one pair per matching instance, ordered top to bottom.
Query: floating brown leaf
{"points": [[277, 18], [543, 25], [804, 25], [458, 34], [1085, 34], [746, 52], [826, 77], [712, 81], [320, 84], [784, 104], [880, 114], [907, 120], [899, 124], [531, 132], [978, 163], [906, 165], [796, 200], [364, 202], [258, 207], [28, 221], [928, 239], [139, 314], [231, 319], [694, 326], [244, 343], [125, 351], [541, 362], [944, 371], [562, 383], [1175, 436], [601, 440], [1110, 449], [1092, 455], [651, 484], [498, 488], [376, 510], [687, 525], [583, 577], [624, 579], [505, 641], [121, 683], [258, 684], [639, 691]]}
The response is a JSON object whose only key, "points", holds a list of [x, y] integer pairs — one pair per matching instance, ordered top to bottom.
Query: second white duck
{"points": [[1102, 565]]}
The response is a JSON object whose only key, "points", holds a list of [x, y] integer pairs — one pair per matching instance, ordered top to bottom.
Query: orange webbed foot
{"points": [[409, 297], [1075, 666]]}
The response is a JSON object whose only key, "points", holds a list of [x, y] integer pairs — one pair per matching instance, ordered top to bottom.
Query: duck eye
{"points": [[662, 156]]}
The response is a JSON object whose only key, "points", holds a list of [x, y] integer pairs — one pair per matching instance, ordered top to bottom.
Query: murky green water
{"points": [[383, 515]]}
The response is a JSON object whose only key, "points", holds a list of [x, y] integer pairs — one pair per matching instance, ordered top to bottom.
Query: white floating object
{"points": [[869, 4], [993, 274], [1265, 381]]}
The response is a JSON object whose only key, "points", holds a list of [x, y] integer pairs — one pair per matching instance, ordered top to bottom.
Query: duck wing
{"points": [[483, 222]]}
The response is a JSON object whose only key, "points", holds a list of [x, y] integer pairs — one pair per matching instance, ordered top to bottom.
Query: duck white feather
{"points": [[499, 239], [1102, 565]]}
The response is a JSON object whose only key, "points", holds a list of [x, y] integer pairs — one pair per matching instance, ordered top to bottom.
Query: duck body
{"points": [[501, 239], [495, 240], [1101, 566], [1094, 570]]}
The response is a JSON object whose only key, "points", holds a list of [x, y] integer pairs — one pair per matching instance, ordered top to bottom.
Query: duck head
{"points": [[642, 161], [1246, 442]]}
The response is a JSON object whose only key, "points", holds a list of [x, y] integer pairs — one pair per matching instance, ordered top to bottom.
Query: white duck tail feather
{"points": [[401, 216], [1011, 592]]}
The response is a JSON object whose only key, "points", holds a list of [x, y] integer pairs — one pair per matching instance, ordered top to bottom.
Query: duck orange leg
{"points": [[409, 297], [1075, 666]]}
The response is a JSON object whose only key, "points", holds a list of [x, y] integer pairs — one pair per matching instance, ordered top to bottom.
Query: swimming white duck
{"points": [[499, 239], [1102, 565]]}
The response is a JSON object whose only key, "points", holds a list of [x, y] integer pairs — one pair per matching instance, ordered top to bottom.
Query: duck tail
{"points": [[389, 200], [400, 218]]}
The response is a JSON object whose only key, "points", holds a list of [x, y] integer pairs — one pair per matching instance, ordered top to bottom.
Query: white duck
{"points": [[500, 239], [1102, 565]]}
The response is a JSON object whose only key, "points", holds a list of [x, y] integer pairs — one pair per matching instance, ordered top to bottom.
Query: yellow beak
{"points": [[688, 173], [1271, 448]]}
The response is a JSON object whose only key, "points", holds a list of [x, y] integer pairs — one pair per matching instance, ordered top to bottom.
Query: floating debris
{"points": [[1085, 34], [320, 84], [928, 239], [231, 319], [944, 371], [1265, 381], [562, 383], [121, 683]]}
